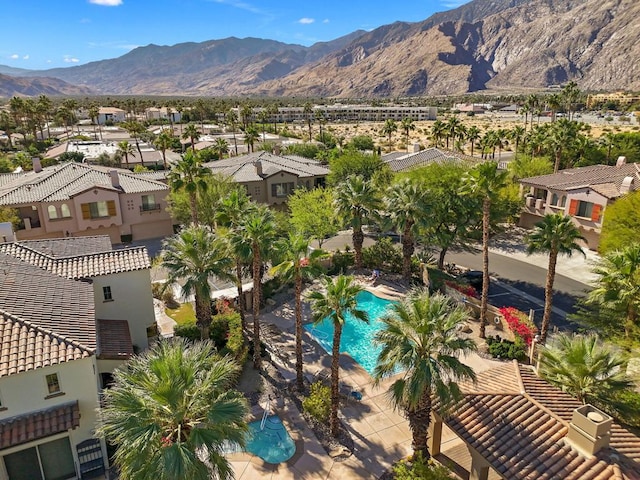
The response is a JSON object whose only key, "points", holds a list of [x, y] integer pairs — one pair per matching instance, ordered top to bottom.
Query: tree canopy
{"points": [[312, 213], [621, 223]]}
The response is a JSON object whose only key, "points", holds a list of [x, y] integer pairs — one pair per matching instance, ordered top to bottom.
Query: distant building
{"points": [[622, 98], [471, 107], [163, 113], [110, 115], [270, 178], [582, 193], [75, 199]]}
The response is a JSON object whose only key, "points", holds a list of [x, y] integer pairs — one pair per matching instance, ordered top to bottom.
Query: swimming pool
{"points": [[357, 337], [273, 444]]}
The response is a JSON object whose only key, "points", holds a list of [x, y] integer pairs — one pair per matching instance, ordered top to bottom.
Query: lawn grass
{"points": [[184, 314]]}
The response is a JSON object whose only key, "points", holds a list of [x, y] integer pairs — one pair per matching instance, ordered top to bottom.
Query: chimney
{"points": [[621, 161], [37, 165], [258, 165], [115, 178], [589, 430]]}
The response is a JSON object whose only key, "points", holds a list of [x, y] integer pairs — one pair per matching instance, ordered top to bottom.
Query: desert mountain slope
{"points": [[30, 87]]}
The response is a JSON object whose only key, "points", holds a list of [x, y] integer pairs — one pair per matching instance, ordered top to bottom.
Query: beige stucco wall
{"points": [[281, 177], [97, 195], [259, 195], [156, 223], [132, 301], [25, 393]]}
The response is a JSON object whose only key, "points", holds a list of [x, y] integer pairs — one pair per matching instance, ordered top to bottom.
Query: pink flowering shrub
{"points": [[464, 289], [519, 323]]}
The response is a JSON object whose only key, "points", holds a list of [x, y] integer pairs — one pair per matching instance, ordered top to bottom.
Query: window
{"points": [[282, 189], [256, 191], [540, 193], [554, 199], [563, 201], [149, 203], [580, 208], [584, 209], [64, 210], [98, 210], [53, 213], [106, 293], [53, 384], [48, 461]]}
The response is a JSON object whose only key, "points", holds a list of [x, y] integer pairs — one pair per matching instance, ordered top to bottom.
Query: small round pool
{"points": [[273, 444]]}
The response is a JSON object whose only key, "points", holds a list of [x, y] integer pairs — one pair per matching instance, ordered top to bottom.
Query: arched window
{"points": [[554, 199], [563, 201], [64, 211], [53, 213]]}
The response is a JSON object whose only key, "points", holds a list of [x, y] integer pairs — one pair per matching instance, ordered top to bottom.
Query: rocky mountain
{"points": [[484, 44], [24, 86]]}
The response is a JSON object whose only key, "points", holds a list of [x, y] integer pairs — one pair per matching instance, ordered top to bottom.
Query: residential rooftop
{"points": [[401, 162]]}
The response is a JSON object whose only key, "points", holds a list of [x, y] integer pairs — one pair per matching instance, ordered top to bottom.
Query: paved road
{"points": [[528, 279]]}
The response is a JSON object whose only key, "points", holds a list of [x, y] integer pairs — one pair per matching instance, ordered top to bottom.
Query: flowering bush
{"points": [[467, 290], [519, 323]]}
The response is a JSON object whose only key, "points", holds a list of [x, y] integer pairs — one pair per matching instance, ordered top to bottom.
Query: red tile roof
{"points": [[114, 340], [518, 422], [43, 423]]}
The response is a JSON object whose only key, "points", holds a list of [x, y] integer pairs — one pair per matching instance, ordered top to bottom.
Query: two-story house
{"points": [[270, 178], [582, 193], [75, 199], [71, 310]]}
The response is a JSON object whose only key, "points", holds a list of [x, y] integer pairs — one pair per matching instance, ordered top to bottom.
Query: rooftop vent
{"points": [[621, 161], [37, 165], [625, 187], [589, 430]]}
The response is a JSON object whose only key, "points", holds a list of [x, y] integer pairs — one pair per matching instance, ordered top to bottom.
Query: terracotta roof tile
{"points": [[407, 161], [114, 340], [43, 423]]}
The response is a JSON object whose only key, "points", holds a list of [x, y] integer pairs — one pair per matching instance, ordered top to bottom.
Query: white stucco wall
{"points": [[132, 301], [25, 392]]}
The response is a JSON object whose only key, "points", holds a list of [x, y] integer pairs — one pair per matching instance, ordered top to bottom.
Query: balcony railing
{"points": [[150, 208]]}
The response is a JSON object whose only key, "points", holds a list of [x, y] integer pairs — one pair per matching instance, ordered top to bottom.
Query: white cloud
{"points": [[106, 3], [306, 20], [326, 20], [15, 56], [26, 57], [70, 59], [48, 61]]}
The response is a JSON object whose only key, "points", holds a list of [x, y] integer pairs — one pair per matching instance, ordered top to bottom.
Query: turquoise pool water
{"points": [[357, 337], [273, 444]]}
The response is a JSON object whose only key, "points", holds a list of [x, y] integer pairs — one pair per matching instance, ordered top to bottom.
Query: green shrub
{"points": [[383, 255], [340, 262], [156, 290], [187, 330], [506, 349], [318, 403], [419, 468]]}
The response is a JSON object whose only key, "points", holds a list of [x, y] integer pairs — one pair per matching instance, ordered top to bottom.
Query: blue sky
{"points": [[40, 34]]}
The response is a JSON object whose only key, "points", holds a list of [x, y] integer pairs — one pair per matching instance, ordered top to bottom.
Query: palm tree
{"points": [[570, 95], [554, 102], [45, 107], [307, 110], [94, 112], [232, 121], [8, 125], [407, 126], [389, 128], [452, 128], [135, 129], [437, 132], [192, 134], [517, 134], [251, 135], [473, 135], [561, 137], [163, 142], [221, 147], [126, 149], [189, 174], [485, 182], [356, 200], [406, 207], [258, 228], [556, 235], [195, 256], [297, 265], [618, 285], [338, 303], [420, 337], [584, 368], [171, 410]]}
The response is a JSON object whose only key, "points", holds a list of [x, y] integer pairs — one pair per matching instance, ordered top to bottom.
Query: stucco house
{"points": [[111, 115], [403, 162], [271, 178], [582, 193], [75, 199], [71, 310]]}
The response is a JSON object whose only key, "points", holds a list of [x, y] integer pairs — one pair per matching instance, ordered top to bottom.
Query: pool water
{"points": [[357, 336], [273, 444]]}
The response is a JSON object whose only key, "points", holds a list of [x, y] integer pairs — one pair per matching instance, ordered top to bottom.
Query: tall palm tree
{"points": [[45, 107], [307, 110], [94, 112], [232, 121], [407, 126], [389, 128], [135, 129], [452, 129], [437, 132], [192, 134], [517, 134], [251, 135], [473, 135], [560, 137], [163, 142], [221, 147], [125, 149], [189, 174], [485, 181], [356, 200], [404, 203], [258, 228], [556, 235], [195, 256], [298, 264], [618, 285], [338, 301], [420, 336], [584, 368], [171, 410]]}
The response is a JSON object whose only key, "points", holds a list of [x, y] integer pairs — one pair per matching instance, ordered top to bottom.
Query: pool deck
{"points": [[380, 433]]}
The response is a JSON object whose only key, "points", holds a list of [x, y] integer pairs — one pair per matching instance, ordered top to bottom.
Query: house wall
{"points": [[281, 177], [257, 191], [145, 224], [132, 301], [25, 392]]}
